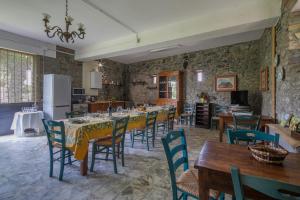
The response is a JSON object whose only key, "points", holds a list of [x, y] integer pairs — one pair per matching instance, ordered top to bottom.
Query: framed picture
{"points": [[264, 79], [225, 83]]}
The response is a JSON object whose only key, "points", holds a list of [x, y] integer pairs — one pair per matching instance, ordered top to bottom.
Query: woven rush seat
{"points": [[188, 182]]}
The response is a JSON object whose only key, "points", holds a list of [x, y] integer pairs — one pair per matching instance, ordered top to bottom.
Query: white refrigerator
{"points": [[56, 96]]}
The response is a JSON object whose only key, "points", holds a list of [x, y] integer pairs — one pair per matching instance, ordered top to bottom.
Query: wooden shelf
{"points": [[203, 115]]}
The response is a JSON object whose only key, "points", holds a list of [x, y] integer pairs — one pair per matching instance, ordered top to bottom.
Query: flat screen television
{"points": [[239, 97]]}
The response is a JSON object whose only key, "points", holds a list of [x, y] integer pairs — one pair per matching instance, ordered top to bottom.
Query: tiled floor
{"points": [[24, 169]]}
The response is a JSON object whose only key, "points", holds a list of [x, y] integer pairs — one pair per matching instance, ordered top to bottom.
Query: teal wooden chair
{"points": [[74, 114], [188, 114], [171, 117], [248, 122], [169, 123], [148, 132], [251, 136], [57, 145], [111, 145], [186, 184], [271, 188]]}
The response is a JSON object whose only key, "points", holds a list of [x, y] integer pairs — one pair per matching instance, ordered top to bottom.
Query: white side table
{"points": [[26, 120]]}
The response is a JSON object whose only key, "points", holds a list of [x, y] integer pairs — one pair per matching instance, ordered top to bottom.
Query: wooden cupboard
{"points": [[170, 89], [102, 106]]}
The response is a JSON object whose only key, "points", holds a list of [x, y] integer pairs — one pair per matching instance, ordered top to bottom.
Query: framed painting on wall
{"points": [[264, 79], [225, 83]]}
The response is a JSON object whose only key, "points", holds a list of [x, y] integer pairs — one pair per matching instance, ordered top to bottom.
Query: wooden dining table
{"points": [[227, 118], [215, 160]]}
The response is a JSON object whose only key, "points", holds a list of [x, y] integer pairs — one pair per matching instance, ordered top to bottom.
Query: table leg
{"points": [[221, 127], [84, 165], [203, 190]]}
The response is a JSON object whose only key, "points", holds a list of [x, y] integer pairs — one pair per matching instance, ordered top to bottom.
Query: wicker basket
{"points": [[268, 154]]}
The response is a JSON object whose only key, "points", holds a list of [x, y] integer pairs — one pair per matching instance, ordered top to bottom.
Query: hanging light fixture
{"points": [[64, 36]]}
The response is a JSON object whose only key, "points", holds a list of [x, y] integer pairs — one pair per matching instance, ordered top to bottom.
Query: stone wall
{"points": [[288, 48], [242, 59], [266, 62], [63, 64], [116, 72]]}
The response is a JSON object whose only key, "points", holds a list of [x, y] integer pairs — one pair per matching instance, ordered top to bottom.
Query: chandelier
{"points": [[64, 35]]}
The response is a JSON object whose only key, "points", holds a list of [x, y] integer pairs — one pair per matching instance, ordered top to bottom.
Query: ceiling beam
{"points": [[126, 26]]}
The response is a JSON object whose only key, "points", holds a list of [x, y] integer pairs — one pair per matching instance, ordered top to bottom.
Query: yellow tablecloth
{"points": [[79, 135]]}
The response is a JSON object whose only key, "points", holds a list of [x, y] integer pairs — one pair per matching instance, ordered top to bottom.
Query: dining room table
{"points": [[226, 119], [99, 125], [216, 159]]}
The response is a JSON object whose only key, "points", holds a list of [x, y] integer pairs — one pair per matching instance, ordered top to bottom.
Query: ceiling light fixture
{"points": [[64, 36]]}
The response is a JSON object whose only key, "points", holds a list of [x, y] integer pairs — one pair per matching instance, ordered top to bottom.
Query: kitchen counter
{"points": [[103, 105]]}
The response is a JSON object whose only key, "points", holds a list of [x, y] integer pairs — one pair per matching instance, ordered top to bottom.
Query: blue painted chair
{"points": [[74, 114], [188, 114], [249, 122], [169, 123], [148, 132], [234, 137], [56, 140], [109, 145], [187, 183], [271, 188]]}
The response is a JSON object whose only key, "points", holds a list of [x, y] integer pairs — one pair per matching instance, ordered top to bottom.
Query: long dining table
{"points": [[78, 136], [215, 160]]}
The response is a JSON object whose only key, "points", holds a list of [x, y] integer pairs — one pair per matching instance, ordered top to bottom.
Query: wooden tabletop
{"points": [[263, 117], [220, 157]]}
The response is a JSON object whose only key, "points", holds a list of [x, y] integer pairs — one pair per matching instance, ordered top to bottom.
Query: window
{"points": [[199, 76], [16, 77], [154, 79]]}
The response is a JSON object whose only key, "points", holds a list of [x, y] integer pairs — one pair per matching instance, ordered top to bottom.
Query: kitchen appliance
{"points": [[78, 91], [56, 96]]}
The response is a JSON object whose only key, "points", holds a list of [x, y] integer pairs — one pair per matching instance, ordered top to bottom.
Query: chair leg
{"points": [[143, 137], [147, 138], [153, 138], [132, 139], [107, 152], [122, 154], [69, 157], [93, 158], [114, 159], [51, 163], [62, 165], [185, 197]]}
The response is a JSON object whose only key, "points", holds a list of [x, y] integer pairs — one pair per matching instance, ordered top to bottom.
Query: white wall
{"points": [[25, 44], [87, 67]]}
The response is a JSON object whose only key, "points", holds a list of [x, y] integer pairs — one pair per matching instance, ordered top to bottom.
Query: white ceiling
{"points": [[194, 24]]}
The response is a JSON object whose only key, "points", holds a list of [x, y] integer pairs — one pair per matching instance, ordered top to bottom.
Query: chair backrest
{"points": [[189, 108], [216, 109], [171, 113], [74, 114], [151, 120], [251, 122], [119, 128], [55, 132], [233, 136], [178, 151], [272, 188]]}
